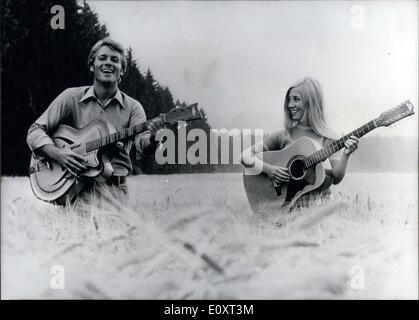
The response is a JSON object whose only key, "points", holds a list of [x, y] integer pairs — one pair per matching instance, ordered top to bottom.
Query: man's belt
{"points": [[117, 180]]}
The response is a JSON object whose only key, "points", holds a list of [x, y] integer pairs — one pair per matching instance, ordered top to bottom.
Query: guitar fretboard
{"points": [[117, 136], [336, 145]]}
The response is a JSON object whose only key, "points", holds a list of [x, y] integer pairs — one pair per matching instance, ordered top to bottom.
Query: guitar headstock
{"points": [[182, 113], [395, 114]]}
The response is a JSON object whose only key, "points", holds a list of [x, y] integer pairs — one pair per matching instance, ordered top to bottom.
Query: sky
{"points": [[237, 59]]}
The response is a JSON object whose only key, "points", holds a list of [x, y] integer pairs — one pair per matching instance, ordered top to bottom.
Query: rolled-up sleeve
{"points": [[38, 133]]}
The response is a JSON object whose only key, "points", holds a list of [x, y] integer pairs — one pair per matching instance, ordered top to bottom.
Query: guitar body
{"points": [[52, 183], [264, 197]]}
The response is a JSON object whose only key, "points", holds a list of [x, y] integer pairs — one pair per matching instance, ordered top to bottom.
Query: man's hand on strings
{"points": [[155, 125]]}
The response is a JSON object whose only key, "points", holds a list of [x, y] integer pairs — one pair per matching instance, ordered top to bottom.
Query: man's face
{"points": [[107, 66]]}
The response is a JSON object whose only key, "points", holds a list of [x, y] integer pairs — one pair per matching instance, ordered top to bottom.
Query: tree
{"points": [[38, 63], [133, 82]]}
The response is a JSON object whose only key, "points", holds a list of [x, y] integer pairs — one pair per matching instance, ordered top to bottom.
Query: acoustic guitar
{"points": [[304, 158], [50, 182]]}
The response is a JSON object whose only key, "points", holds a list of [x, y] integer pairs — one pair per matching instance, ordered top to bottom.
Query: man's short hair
{"points": [[111, 44]]}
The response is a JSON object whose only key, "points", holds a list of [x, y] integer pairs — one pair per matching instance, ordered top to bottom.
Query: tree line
{"points": [[38, 63]]}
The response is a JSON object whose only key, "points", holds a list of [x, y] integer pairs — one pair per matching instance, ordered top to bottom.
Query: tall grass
{"points": [[194, 237]]}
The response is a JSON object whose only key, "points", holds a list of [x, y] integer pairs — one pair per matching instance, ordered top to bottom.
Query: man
{"points": [[103, 100]]}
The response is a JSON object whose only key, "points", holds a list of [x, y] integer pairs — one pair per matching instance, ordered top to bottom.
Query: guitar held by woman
{"points": [[300, 163]]}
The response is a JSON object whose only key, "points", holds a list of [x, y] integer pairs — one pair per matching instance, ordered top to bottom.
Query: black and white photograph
{"points": [[209, 150]]}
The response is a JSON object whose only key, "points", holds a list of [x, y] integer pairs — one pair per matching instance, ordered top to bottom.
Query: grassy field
{"points": [[194, 237]]}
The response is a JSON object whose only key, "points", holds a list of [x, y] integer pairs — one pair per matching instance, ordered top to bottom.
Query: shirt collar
{"points": [[90, 93]]}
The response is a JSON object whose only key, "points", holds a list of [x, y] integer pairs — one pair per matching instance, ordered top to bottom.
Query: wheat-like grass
{"points": [[194, 237]]}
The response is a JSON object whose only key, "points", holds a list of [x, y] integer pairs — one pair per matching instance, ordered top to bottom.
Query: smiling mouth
{"points": [[106, 71]]}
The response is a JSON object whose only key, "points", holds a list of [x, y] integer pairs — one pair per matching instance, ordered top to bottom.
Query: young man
{"points": [[103, 100]]}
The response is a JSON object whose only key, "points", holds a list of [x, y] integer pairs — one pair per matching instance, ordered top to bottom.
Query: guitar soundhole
{"points": [[297, 169]]}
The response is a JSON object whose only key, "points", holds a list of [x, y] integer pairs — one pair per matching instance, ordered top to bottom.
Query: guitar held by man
{"points": [[51, 182]]}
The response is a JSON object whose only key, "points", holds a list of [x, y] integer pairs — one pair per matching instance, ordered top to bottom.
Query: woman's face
{"points": [[296, 105]]}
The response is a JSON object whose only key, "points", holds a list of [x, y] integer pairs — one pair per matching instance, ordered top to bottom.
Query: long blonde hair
{"points": [[313, 99]]}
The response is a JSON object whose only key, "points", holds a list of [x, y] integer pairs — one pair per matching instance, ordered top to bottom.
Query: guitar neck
{"points": [[115, 137], [336, 145]]}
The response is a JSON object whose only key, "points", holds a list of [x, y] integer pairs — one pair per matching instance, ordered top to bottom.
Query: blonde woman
{"points": [[304, 116]]}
